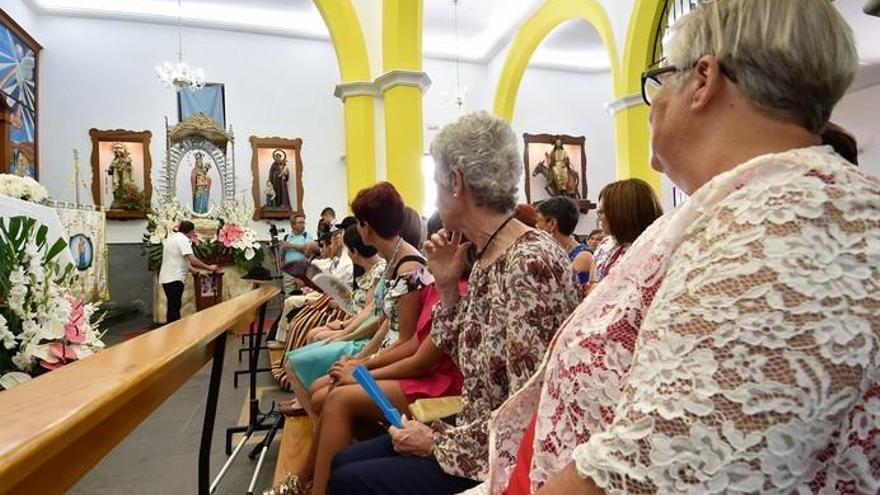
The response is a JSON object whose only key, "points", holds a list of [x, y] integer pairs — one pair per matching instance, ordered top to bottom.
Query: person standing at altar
{"points": [[295, 246], [177, 261]]}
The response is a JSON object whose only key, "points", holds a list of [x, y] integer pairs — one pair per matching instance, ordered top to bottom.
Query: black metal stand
{"points": [[211, 414]]}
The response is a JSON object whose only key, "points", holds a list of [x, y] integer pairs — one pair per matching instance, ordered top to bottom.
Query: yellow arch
{"points": [[532, 33], [402, 34], [347, 38], [354, 65]]}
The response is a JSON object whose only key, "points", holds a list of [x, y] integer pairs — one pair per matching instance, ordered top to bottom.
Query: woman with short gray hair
{"points": [[521, 288], [735, 348]]}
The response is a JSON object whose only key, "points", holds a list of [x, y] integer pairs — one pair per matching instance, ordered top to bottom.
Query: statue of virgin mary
{"points": [[201, 184]]}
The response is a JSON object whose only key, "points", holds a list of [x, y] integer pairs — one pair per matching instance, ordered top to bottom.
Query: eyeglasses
{"points": [[652, 82]]}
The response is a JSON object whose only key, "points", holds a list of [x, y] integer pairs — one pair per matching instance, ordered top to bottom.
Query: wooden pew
{"points": [[58, 426]]}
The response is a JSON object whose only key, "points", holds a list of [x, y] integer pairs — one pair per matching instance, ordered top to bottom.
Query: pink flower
{"points": [[230, 234], [75, 326], [59, 355]]}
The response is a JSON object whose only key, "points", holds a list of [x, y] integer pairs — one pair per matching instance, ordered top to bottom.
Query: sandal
{"points": [[291, 408], [290, 485]]}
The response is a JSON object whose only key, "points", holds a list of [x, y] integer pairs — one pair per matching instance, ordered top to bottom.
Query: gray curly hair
{"points": [[791, 58], [484, 148]]}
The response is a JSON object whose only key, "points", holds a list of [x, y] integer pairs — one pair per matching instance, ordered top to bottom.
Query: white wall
{"points": [[100, 73], [437, 103], [858, 113]]}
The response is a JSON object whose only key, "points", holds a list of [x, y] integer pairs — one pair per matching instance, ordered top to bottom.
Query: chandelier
{"points": [[180, 75], [460, 91]]}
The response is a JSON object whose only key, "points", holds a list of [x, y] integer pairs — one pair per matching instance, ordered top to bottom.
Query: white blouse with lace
{"points": [[735, 349], [757, 368]]}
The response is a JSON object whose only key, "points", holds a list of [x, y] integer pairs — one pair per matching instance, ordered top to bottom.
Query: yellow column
{"points": [[354, 67], [401, 87], [631, 123], [360, 143]]}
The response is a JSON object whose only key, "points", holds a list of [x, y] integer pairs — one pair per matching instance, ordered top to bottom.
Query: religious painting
{"points": [[19, 58], [555, 165], [121, 166], [277, 177], [82, 251]]}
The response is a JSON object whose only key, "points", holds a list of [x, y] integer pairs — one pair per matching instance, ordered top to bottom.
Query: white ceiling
{"points": [[485, 26]]}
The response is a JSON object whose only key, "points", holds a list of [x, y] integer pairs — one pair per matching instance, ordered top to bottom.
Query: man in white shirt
{"points": [[177, 260]]}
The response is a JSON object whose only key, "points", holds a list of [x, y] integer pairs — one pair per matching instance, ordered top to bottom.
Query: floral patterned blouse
{"points": [[365, 284], [401, 285], [498, 334]]}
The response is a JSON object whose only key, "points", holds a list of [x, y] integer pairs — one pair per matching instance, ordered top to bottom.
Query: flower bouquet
{"points": [[22, 188], [42, 326]]}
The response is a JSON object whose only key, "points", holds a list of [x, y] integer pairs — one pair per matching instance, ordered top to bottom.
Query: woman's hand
{"points": [[447, 257], [343, 369], [414, 438]]}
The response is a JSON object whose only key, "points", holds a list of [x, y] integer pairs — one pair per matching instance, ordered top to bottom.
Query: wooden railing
{"points": [[56, 427]]}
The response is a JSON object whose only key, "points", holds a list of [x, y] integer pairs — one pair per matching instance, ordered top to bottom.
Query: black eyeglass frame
{"points": [[654, 75]]}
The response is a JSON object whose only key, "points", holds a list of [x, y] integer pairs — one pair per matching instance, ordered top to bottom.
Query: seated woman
{"points": [[625, 209], [558, 216], [366, 257], [520, 290], [395, 307], [735, 347], [427, 373]]}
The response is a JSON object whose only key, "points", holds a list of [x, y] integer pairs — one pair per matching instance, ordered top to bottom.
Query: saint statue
{"points": [[120, 172], [278, 177], [561, 179], [201, 184]]}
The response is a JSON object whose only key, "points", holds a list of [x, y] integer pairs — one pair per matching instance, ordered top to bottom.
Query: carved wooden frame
{"points": [[125, 136], [258, 143], [5, 145], [584, 203]]}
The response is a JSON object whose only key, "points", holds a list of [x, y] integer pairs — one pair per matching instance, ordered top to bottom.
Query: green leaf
{"points": [[41, 235], [56, 249]]}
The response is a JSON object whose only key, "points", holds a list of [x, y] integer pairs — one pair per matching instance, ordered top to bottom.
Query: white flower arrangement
{"points": [[24, 188], [163, 218], [42, 326]]}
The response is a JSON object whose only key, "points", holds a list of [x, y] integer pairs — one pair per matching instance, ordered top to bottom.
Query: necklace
{"points": [[481, 252], [379, 293]]}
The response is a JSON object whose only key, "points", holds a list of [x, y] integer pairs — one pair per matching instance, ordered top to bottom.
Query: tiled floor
{"points": [[161, 455]]}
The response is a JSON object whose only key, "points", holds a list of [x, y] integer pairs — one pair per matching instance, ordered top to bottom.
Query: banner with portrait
{"points": [[86, 231]]}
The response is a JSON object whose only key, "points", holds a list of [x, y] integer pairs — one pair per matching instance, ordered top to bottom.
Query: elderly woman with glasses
{"points": [[520, 290], [735, 348]]}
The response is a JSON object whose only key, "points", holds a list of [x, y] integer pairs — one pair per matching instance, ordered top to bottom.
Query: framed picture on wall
{"points": [[19, 85], [121, 165], [556, 165], [277, 177]]}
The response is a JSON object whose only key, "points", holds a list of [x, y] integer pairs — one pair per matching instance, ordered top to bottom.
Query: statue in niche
{"points": [[120, 172], [278, 177], [561, 178], [201, 184]]}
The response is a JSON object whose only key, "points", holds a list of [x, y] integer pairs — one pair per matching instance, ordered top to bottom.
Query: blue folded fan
{"points": [[365, 379]]}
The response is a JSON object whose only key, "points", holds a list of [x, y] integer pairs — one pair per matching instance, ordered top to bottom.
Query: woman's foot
{"points": [[290, 485]]}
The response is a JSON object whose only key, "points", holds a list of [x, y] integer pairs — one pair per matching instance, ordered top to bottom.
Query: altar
{"points": [[233, 285]]}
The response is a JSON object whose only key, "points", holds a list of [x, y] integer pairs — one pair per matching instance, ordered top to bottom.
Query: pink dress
{"points": [[443, 378]]}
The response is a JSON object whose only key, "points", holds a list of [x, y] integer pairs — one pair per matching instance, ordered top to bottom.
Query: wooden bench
{"points": [[58, 426]]}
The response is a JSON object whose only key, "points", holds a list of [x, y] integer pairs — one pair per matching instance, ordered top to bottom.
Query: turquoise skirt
{"points": [[314, 360]]}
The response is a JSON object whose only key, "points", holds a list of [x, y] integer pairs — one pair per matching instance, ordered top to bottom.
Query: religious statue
{"points": [[120, 172], [278, 177], [561, 178], [201, 184], [270, 193]]}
